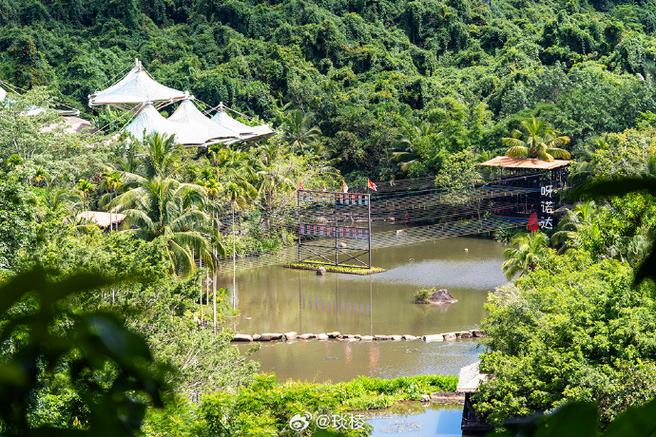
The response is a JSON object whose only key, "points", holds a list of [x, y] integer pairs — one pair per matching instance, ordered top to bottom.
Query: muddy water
{"points": [[275, 299], [321, 361]]}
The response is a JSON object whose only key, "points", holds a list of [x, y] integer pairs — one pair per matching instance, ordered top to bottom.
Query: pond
{"points": [[276, 299], [322, 361], [433, 421]]}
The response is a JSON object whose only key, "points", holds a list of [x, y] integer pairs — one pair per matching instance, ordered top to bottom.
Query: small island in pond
{"points": [[434, 296]]}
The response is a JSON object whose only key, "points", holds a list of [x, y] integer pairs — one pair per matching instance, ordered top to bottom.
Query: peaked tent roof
{"points": [[137, 87], [189, 115], [149, 121], [187, 131], [245, 132]]}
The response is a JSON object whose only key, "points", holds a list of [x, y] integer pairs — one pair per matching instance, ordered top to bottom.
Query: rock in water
{"points": [[321, 271], [441, 296], [290, 335], [270, 336]]}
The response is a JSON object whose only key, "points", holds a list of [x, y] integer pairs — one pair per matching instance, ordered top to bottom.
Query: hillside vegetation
{"points": [[426, 77]]}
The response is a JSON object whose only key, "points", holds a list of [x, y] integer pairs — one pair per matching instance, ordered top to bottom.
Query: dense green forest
{"points": [[377, 77], [357, 89]]}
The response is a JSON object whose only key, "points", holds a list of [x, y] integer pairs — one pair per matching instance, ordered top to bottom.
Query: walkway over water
{"points": [[333, 227]]}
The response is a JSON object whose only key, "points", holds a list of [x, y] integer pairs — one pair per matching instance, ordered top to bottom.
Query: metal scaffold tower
{"points": [[334, 228]]}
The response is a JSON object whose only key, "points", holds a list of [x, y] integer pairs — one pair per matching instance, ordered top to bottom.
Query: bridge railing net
{"points": [[408, 213]]}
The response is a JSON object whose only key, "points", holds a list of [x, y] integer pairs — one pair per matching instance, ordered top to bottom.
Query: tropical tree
{"points": [[300, 132], [536, 139], [417, 148], [162, 155], [274, 179], [111, 181], [84, 187], [621, 187], [163, 208], [572, 228], [525, 253]]}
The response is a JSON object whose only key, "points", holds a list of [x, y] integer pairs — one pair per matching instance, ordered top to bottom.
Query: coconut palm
{"points": [[299, 131], [536, 140], [162, 155], [231, 161], [275, 179], [163, 208], [573, 228], [525, 253]]}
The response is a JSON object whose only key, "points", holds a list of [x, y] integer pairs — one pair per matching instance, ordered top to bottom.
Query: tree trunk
{"points": [[234, 261]]}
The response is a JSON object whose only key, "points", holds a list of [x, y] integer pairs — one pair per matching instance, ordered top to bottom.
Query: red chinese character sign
{"points": [[533, 224]]}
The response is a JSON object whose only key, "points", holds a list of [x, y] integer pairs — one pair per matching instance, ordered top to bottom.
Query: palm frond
{"points": [[512, 142], [517, 152], [559, 153], [545, 156], [616, 187]]}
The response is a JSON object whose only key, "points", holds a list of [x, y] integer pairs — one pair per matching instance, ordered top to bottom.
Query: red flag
{"points": [[300, 184], [371, 185], [344, 186], [533, 225]]}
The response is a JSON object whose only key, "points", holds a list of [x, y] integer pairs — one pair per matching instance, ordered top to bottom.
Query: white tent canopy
{"points": [[136, 88], [3, 94], [187, 114], [149, 121], [187, 124], [191, 128], [245, 132]]}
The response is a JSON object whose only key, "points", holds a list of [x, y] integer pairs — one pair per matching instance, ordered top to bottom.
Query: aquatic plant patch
{"points": [[346, 268]]}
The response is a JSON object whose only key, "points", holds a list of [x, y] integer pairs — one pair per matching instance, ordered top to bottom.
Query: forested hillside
{"points": [[428, 77]]}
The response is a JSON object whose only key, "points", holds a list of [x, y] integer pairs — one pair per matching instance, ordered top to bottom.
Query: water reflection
{"points": [[275, 299], [278, 299], [322, 361], [435, 421]]}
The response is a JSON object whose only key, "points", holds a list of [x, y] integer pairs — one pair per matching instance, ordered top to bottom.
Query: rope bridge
{"points": [[344, 228]]}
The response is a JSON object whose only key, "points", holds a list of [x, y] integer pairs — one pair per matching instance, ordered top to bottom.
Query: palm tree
{"points": [[299, 131], [537, 140], [413, 144], [162, 155], [231, 161], [275, 178], [111, 183], [84, 187], [57, 203], [163, 208], [572, 228], [525, 253]]}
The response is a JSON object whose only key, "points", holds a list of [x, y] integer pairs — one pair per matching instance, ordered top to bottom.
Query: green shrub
{"points": [[422, 295], [265, 407]]}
